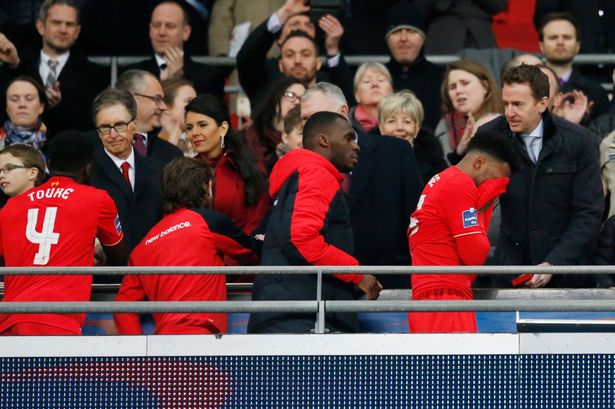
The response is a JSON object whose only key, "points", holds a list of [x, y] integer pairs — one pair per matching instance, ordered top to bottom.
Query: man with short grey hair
{"points": [[147, 91], [382, 189]]}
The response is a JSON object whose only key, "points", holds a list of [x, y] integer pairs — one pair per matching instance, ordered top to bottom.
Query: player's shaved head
{"points": [[320, 123], [330, 135], [496, 145], [70, 153]]}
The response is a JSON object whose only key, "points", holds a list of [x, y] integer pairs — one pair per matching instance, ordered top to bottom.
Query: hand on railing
{"points": [[539, 280], [370, 286]]}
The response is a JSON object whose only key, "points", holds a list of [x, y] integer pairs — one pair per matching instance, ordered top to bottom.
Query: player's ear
{"points": [[323, 140], [479, 162]]}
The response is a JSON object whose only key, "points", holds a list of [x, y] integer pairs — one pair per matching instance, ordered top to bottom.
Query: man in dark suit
{"points": [[597, 17], [169, 29], [559, 42], [71, 81], [147, 91], [132, 180], [383, 189], [552, 209]]}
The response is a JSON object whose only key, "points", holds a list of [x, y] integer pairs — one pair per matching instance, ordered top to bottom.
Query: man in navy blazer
{"points": [[132, 180], [384, 189]]}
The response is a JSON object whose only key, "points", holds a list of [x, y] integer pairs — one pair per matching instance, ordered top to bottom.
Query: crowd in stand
{"points": [[190, 187]]}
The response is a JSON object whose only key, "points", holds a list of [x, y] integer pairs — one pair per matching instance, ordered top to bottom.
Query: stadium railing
{"points": [[119, 61], [318, 306]]}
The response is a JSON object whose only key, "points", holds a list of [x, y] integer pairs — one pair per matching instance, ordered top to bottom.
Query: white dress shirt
{"points": [[43, 67], [131, 161]]}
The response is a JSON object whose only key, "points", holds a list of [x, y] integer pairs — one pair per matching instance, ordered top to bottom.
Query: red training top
{"points": [[54, 224], [445, 230], [185, 237]]}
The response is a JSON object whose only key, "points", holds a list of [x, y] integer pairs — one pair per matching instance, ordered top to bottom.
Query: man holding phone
{"points": [[257, 72]]}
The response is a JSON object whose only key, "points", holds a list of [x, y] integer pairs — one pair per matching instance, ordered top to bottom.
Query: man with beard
{"points": [[559, 42], [257, 72]]}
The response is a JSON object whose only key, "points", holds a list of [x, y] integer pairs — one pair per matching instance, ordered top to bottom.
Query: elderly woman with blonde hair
{"points": [[372, 82], [401, 115]]}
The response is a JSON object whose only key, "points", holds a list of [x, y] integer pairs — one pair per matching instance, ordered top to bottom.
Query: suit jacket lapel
{"points": [[362, 172], [140, 175]]}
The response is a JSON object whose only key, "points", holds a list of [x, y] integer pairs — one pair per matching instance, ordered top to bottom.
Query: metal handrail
{"points": [[122, 60], [237, 270], [317, 306], [151, 307], [307, 307]]}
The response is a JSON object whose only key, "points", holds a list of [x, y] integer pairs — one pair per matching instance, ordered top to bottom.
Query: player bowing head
{"points": [[490, 155]]}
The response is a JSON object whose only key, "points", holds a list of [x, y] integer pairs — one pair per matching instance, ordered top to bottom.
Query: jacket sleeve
{"points": [[252, 59], [411, 177], [317, 190], [488, 192], [587, 204], [462, 217], [231, 241], [130, 290]]}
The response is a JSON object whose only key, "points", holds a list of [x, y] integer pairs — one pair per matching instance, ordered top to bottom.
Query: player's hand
{"points": [[291, 8], [333, 33], [8, 52], [174, 58], [54, 96], [539, 280], [370, 286]]}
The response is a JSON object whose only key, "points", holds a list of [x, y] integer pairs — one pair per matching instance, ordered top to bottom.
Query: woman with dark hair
{"points": [[25, 102], [265, 133], [240, 187]]}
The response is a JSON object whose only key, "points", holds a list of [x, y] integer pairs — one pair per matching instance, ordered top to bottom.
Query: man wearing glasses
{"points": [[147, 91], [132, 180]]}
